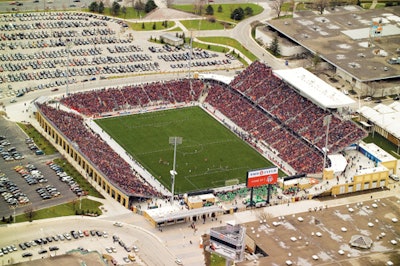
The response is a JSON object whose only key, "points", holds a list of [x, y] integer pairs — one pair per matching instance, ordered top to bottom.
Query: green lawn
{"points": [[226, 10], [131, 13], [203, 24], [147, 26], [230, 42], [39, 140], [208, 155], [66, 209]]}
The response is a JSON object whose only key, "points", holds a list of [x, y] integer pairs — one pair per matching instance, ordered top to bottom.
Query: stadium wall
{"points": [[78, 160], [362, 182]]}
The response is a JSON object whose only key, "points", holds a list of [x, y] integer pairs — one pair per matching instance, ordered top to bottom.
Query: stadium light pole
{"points": [[68, 45], [190, 62], [327, 121], [174, 141]]}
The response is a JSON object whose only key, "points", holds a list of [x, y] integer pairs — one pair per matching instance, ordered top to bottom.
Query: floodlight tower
{"points": [[68, 44], [190, 62], [327, 121], [174, 141]]}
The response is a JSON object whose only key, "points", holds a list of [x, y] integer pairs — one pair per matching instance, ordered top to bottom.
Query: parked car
{"points": [[394, 177]]}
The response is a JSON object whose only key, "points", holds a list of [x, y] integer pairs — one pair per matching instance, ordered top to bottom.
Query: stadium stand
{"points": [[257, 101], [116, 169]]}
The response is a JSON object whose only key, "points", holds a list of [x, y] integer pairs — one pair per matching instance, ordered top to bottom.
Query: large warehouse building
{"points": [[362, 46]]}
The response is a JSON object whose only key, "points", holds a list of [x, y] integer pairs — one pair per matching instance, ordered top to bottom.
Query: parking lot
{"points": [[47, 50], [29, 182], [40, 241]]}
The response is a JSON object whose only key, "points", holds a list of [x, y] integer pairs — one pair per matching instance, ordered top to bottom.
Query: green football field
{"points": [[209, 153]]}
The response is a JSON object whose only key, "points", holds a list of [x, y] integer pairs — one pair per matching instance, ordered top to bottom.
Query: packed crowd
{"points": [[132, 96], [256, 101], [294, 111], [302, 157], [114, 167]]}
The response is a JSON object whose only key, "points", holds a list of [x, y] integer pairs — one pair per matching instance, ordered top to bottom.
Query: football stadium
{"points": [[256, 108]]}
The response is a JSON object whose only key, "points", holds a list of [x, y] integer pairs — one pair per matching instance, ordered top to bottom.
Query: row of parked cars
{"points": [[33, 147], [9, 153], [31, 174], [64, 177], [11, 192], [48, 192], [73, 234], [116, 239], [7, 249]]}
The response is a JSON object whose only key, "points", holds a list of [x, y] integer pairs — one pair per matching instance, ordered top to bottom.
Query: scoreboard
{"points": [[261, 177]]}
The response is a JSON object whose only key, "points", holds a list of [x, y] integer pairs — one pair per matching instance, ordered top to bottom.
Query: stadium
{"points": [[257, 106]]}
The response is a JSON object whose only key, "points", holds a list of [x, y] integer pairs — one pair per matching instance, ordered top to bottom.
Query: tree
{"points": [[320, 5], [139, 6], [150, 6], [199, 6], [277, 6], [93, 7], [101, 7], [115, 8], [219, 9], [123, 10], [209, 10], [248, 11], [237, 14], [274, 46], [316, 60], [29, 213]]}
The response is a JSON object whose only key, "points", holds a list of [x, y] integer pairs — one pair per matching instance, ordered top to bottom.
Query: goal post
{"points": [[231, 182]]}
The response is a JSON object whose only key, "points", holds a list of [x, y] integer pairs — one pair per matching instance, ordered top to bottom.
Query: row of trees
{"points": [[319, 5], [116, 8], [237, 14]]}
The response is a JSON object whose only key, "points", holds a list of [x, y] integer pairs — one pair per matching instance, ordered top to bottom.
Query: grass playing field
{"points": [[209, 153]]}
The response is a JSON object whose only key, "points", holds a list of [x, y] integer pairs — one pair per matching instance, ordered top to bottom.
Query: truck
{"points": [[394, 60]]}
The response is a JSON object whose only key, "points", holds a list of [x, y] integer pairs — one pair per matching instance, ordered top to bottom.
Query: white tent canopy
{"points": [[221, 78], [314, 88], [384, 116]]}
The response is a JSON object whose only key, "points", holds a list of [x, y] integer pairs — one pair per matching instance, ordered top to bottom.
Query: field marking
{"points": [[215, 183]]}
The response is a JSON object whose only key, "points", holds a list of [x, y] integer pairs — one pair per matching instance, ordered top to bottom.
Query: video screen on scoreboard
{"points": [[261, 177]]}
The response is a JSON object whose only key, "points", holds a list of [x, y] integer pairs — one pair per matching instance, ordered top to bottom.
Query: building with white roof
{"points": [[357, 44], [383, 119]]}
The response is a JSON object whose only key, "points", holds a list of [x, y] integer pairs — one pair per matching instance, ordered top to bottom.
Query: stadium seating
{"points": [[256, 101]]}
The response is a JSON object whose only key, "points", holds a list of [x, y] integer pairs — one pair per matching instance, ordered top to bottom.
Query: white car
{"points": [[394, 177], [118, 224]]}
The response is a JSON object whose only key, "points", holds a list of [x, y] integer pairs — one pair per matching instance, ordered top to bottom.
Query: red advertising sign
{"points": [[261, 177]]}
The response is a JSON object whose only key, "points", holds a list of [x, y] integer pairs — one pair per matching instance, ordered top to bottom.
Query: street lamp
{"points": [[174, 141], [14, 207]]}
